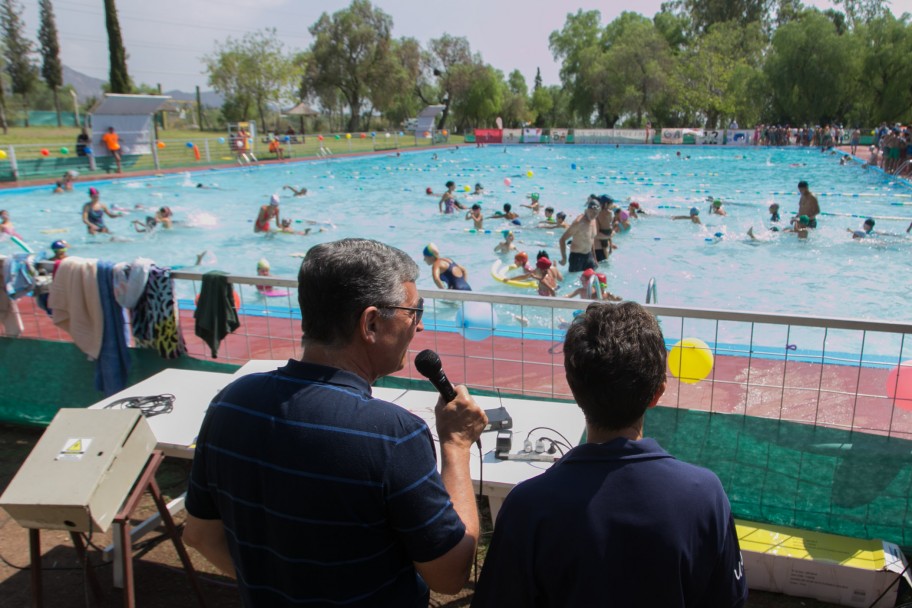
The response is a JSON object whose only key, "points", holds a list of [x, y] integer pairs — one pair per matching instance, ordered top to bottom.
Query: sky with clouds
{"points": [[165, 39]]}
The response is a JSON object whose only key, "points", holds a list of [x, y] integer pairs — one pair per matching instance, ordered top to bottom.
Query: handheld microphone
{"points": [[428, 365]]}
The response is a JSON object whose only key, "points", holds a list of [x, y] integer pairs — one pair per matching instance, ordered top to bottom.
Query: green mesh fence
{"points": [[41, 376], [786, 473]]}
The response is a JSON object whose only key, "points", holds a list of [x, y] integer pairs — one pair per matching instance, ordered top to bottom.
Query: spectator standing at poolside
{"points": [[853, 142], [112, 143], [807, 204], [604, 221], [582, 231], [314, 492], [628, 523]]}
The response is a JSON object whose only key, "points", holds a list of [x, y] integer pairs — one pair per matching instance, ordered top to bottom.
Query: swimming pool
{"points": [[383, 197]]}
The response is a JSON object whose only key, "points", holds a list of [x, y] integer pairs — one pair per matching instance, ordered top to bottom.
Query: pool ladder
{"points": [[652, 294]]}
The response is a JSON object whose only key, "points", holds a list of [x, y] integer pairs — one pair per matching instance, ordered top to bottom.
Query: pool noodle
{"points": [[21, 244]]}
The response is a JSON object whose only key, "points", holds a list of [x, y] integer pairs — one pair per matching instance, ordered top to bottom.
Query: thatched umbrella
{"points": [[302, 110]]}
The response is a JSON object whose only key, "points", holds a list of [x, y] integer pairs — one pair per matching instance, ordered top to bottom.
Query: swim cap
{"points": [[478, 186], [429, 190], [93, 191], [534, 196], [274, 200], [717, 203], [634, 205], [476, 206], [694, 211], [803, 219], [869, 222], [506, 233], [58, 245], [430, 251], [521, 258], [263, 263], [543, 263], [588, 273], [602, 278]]}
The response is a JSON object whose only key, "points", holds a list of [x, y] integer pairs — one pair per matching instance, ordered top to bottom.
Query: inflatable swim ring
{"points": [[500, 271], [274, 293]]}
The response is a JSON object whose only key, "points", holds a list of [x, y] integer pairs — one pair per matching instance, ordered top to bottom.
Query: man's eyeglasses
{"points": [[418, 310]]}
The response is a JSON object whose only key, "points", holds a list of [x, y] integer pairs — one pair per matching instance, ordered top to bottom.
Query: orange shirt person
{"points": [[112, 141]]}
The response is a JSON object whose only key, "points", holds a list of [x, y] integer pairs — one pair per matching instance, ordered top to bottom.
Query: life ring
{"points": [[499, 271]]}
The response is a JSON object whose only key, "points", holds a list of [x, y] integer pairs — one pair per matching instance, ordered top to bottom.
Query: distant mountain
{"points": [[88, 87]]}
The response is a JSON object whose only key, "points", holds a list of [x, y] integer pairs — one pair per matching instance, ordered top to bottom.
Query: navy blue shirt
{"points": [[327, 495], [616, 524]]}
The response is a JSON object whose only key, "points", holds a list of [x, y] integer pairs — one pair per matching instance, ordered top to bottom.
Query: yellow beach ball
{"points": [[348, 136], [2, 154], [530, 174], [690, 360]]}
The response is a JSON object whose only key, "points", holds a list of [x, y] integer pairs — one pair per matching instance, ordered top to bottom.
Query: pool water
{"points": [[714, 265]]}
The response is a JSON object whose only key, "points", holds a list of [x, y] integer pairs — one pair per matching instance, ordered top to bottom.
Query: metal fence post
{"points": [[206, 145], [155, 155], [13, 165]]}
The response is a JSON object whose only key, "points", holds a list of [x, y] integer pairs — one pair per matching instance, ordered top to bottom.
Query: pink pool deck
{"points": [[828, 395]]}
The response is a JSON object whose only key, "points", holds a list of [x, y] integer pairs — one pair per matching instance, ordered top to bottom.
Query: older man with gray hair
{"points": [[313, 491]]}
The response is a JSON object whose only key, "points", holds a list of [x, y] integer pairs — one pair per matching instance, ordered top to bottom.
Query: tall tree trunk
{"points": [[56, 92], [25, 104], [445, 115], [354, 120]]}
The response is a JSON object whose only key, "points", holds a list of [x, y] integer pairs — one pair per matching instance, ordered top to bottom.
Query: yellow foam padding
{"points": [[816, 546]]}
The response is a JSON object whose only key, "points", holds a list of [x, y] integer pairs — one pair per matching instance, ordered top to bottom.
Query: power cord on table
{"points": [[149, 406]]}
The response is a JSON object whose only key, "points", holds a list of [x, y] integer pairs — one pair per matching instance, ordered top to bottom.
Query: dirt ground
{"points": [[159, 579]]}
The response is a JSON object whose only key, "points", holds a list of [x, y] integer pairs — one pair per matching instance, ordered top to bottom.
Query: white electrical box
{"points": [[81, 470]]}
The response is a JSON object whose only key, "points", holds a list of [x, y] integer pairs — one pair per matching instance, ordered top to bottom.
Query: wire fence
{"points": [[22, 162], [835, 373]]}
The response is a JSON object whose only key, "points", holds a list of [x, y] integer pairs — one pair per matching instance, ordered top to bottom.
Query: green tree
{"points": [[859, 12], [705, 13], [579, 47], [351, 53], [19, 62], [452, 62], [641, 63], [51, 68], [713, 70], [812, 71], [252, 72], [887, 72], [118, 77], [538, 80], [399, 99], [482, 100], [515, 111]]}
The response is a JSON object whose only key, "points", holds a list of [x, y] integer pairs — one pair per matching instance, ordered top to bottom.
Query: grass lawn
{"points": [[177, 150]]}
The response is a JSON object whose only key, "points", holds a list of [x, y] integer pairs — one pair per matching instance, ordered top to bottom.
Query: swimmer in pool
{"points": [[65, 183], [479, 189], [295, 191], [430, 191], [448, 203], [807, 204], [534, 205], [716, 207], [634, 210], [94, 211], [268, 212], [774, 213], [506, 214], [162, 216], [476, 216], [694, 216], [621, 220], [548, 221], [6, 224], [800, 226], [287, 228], [867, 229], [581, 236], [507, 245], [521, 262], [263, 271], [446, 273], [593, 286]]}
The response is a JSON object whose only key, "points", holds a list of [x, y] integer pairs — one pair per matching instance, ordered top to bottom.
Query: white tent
{"points": [[131, 117]]}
